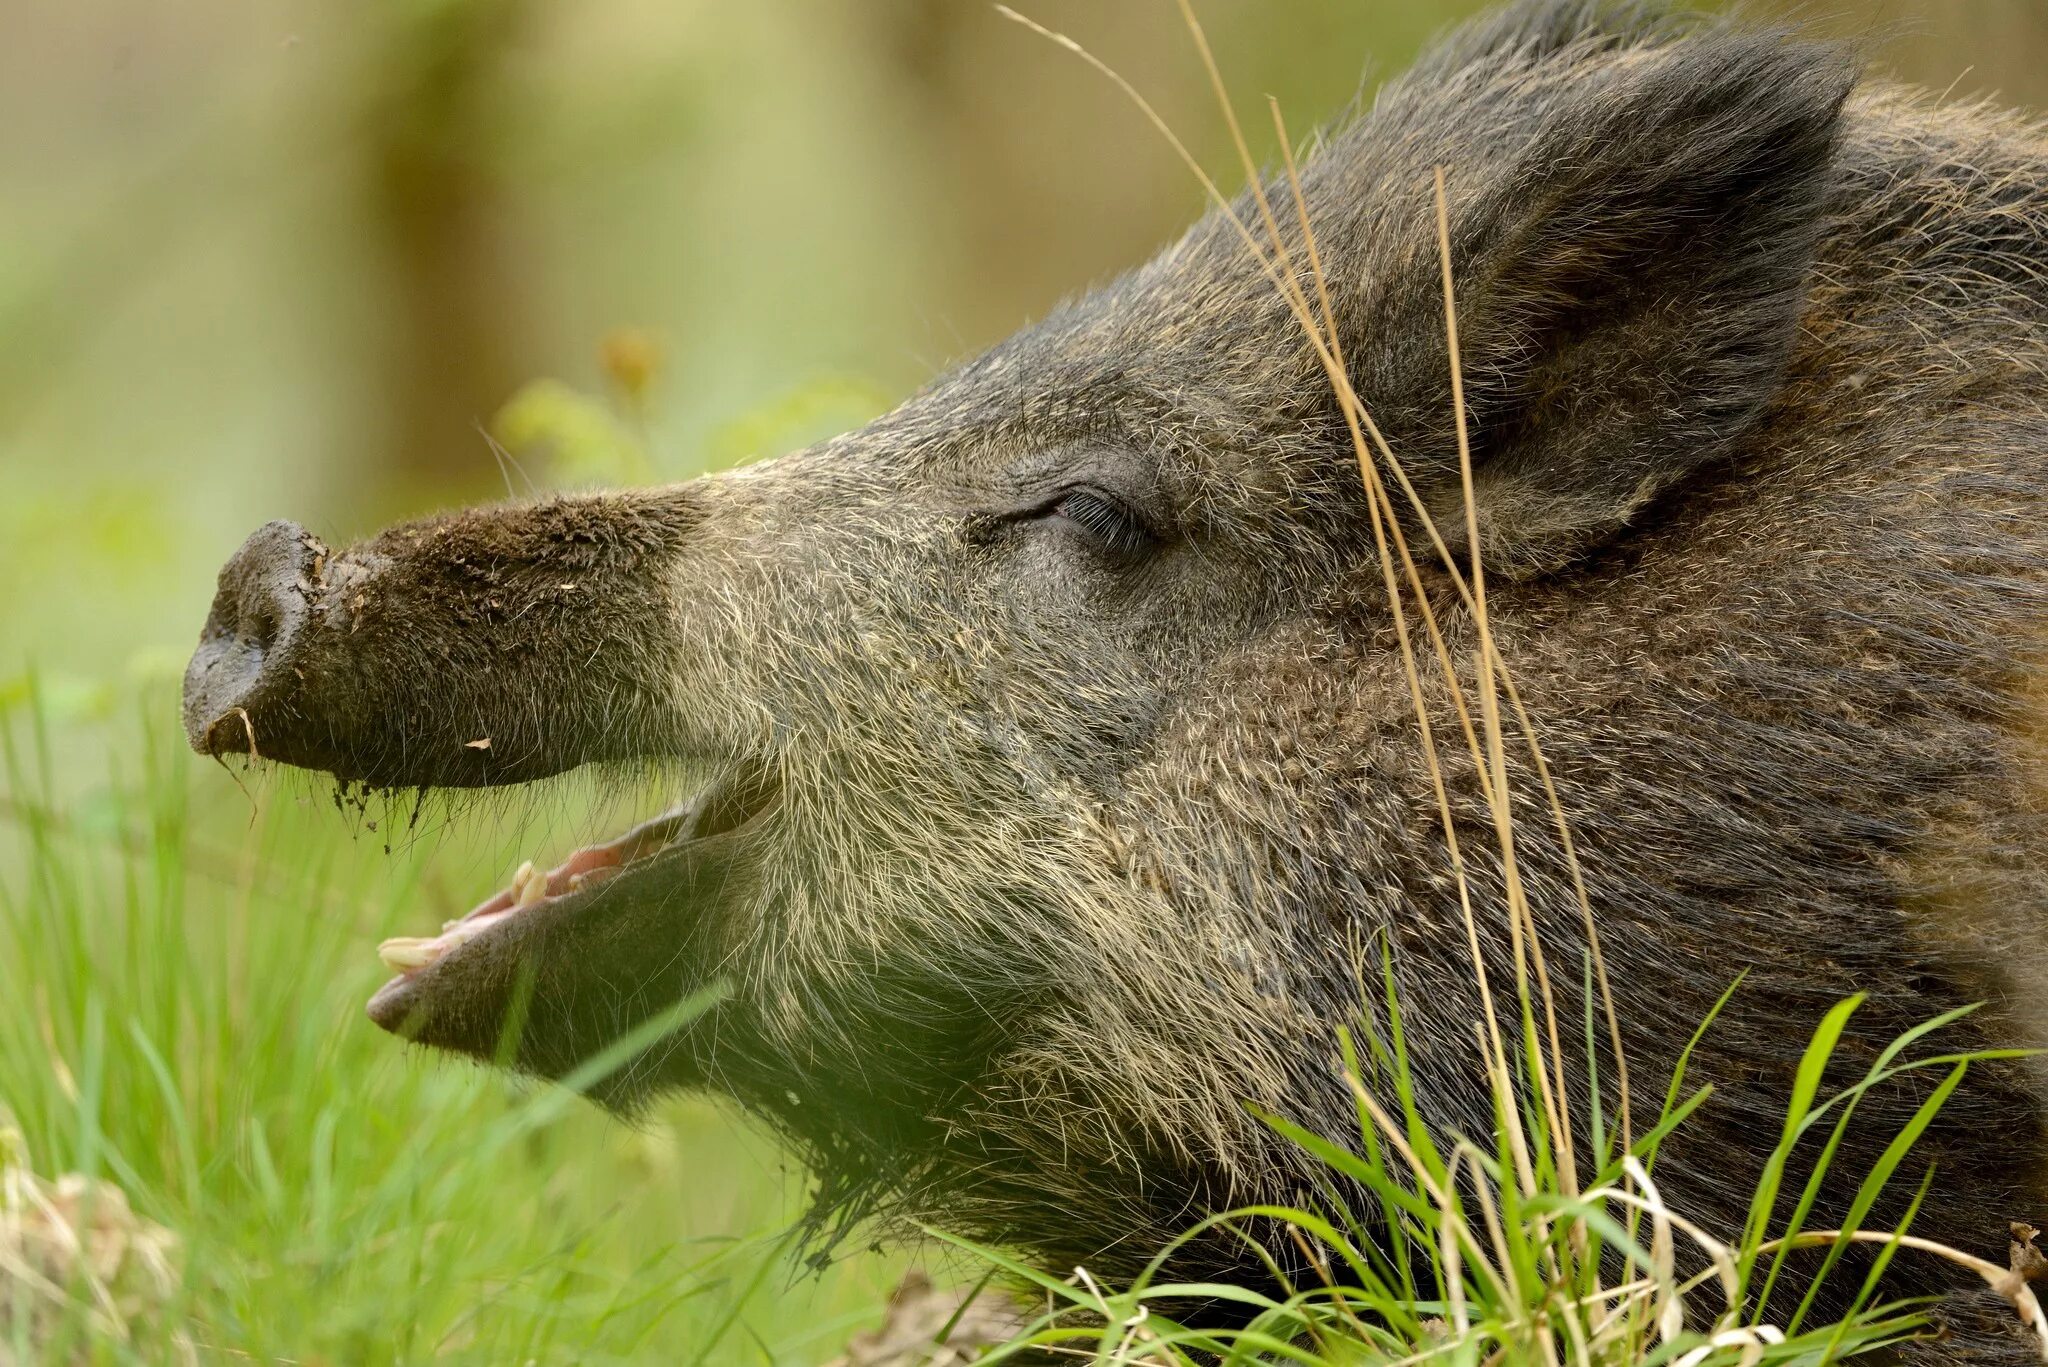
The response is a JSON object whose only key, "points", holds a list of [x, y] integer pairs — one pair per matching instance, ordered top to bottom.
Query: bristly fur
{"points": [[1537, 29], [1081, 848]]}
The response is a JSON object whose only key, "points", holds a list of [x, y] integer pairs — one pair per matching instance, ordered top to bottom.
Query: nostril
{"points": [[258, 628]]}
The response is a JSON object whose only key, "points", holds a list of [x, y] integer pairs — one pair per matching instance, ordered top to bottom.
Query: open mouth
{"points": [[586, 917]]}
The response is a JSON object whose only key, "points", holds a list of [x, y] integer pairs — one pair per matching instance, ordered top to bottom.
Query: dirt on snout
{"points": [[919, 1313]]}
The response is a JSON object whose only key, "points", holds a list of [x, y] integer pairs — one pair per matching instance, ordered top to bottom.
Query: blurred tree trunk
{"points": [[2004, 39], [1972, 48], [998, 111], [454, 338]]}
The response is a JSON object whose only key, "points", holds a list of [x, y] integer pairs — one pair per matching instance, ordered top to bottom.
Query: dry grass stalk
{"points": [[73, 1249], [926, 1326]]}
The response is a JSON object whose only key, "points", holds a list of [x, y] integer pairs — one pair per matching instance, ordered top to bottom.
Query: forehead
{"points": [[1195, 362], [1155, 372], [1037, 428]]}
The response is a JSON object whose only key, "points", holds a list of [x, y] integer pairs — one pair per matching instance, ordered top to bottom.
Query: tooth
{"points": [[521, 879], [532, 890], [406, 954]]}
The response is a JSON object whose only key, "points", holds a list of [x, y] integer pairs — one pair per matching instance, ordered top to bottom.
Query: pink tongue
{"points": [[589, 859]]}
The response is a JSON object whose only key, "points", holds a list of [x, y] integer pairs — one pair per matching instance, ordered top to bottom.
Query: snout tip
{"points": [[259, 607], [395, 1007]]}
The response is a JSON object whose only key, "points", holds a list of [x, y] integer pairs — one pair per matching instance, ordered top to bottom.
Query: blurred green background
{"points": [[287, 257], [317, 258]]}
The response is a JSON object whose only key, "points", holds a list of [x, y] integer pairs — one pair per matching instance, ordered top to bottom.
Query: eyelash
{"points": [[1117, 529]]}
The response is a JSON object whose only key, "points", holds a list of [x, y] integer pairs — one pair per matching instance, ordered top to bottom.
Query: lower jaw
{"points": [[586, 868], [560, 926]]}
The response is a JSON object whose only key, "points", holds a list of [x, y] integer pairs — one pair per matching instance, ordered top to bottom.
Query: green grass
{"points": [[184, 953], [183, 969], [1464, 1253]]}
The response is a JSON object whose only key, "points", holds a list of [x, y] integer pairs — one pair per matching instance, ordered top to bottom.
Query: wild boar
{"points": [[1064, 782]]}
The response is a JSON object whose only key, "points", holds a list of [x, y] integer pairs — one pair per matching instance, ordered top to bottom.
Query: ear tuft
{"points": [[1535, 29]]}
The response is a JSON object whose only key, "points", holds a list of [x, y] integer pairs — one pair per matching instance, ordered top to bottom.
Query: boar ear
{"points": [[1629, 295]]}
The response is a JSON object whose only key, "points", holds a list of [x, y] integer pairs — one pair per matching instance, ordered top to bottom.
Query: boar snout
{"points": [[495, 645], [246, 646]]}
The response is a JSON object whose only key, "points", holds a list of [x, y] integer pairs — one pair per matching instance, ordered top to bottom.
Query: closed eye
{"points": [[1112, 526]]}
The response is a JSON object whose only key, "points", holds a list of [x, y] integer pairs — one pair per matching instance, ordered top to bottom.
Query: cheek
{"points": [[1042, 576], [1080, 660], [1062, 695]]}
